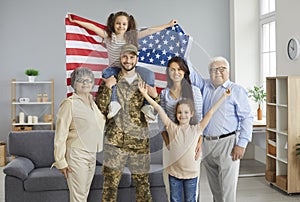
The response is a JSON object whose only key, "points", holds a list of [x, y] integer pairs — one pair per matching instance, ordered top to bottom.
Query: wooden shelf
{"points": [[27, 82], [31, 103], [35, 107], [32, 124], [283, 132]]}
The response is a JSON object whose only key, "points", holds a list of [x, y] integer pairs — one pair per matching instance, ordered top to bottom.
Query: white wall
{"points": [[287, 26], [32, 34], [244, 41], [244, 44]]}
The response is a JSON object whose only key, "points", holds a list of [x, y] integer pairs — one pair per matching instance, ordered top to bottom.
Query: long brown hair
{"points": [[131, 32], [186, 85]]}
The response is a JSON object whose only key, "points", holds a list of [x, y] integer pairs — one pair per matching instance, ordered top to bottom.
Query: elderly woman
{"points": [[178, 87], [78, 135]]}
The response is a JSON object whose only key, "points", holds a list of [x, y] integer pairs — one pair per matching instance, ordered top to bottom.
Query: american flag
{"points": [[85, 48]]}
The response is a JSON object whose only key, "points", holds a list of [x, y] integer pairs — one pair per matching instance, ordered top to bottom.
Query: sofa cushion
{"points": [[36, 145], [156, 145], [99, 158], [20, 167], [156, 175], [45, 179], [49, 179]]}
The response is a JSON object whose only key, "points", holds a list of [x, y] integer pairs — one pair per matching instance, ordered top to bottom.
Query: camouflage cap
{"points": [[129, 48]]}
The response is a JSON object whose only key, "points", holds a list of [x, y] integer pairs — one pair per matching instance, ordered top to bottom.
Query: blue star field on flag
{"points": [[160, 47]]}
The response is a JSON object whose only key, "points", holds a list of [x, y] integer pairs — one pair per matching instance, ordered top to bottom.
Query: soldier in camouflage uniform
{"points": [[126, 135]]}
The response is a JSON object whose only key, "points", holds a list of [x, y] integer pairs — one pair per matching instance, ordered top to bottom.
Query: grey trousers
{"points": [[222, 171]]}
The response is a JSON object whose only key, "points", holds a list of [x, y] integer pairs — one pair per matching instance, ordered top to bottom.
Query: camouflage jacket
{"points": [[129, 127]]}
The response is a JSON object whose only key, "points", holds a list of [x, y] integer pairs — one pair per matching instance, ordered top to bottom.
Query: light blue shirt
{"points": [[234, 114]]}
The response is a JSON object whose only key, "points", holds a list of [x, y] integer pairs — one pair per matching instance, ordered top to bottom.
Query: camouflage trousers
{"points": [[138, 162]]}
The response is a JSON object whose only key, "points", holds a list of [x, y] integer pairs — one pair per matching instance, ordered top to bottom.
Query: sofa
{"points": [[30, 178]]}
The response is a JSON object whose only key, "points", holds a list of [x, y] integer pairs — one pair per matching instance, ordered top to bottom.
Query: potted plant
{"points": [[31, 73], [258, 94]]}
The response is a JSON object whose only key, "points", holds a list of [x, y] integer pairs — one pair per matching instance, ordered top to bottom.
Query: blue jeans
{"points": [[146, 74], [189, 187]]}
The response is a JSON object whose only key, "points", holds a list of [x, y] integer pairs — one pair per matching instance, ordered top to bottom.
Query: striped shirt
{"points": [[113, 46], [168, 103]]}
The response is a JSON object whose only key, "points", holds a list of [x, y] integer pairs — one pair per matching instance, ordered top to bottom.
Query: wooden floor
{"points": [[250, 189]]}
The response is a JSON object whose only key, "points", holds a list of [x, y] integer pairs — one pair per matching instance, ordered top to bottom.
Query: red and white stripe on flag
{"points": [[84, 48]]}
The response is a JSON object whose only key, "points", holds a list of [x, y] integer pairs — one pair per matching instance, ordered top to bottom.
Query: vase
{"points": [[31, 78], [259, 113]]}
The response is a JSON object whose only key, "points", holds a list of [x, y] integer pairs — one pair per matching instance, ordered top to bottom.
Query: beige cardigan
{"points": [[77, 125]]}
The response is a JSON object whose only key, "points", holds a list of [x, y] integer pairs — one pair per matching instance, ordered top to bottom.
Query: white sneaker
{"points": [[113, 109], [148, 111], [151, 120]]}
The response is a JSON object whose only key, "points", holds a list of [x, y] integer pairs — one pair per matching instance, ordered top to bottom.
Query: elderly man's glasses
{"points": [[220, 69], [84, 80]]}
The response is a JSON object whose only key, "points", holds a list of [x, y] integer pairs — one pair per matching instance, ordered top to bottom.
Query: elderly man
{"points": [[228, 132], [126, 137]]}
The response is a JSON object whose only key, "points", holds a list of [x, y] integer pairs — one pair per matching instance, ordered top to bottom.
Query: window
{"points": [[267, 6], [268, 39]]}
